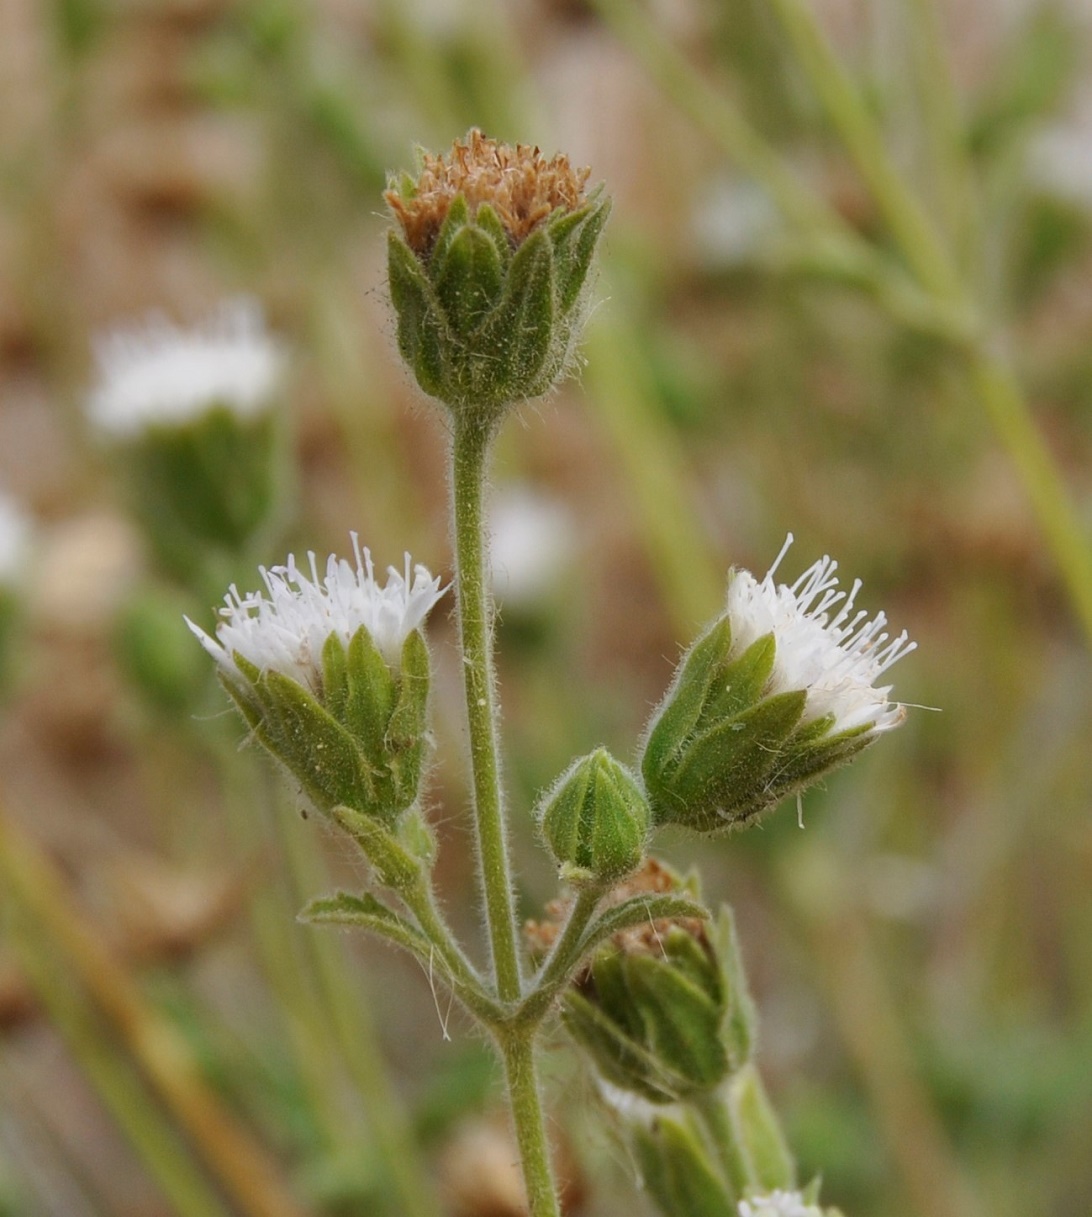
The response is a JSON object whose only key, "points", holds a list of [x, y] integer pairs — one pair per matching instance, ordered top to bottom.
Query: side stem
{"points": [[471, 447]]}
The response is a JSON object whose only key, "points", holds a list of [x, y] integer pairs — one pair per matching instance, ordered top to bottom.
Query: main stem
{"points": [[471, 448], [518, 1049]]}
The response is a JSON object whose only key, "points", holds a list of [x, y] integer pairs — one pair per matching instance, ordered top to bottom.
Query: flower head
{"points": [[521, 186], [489, 270], [161, 374], [286, 630], [822, 646], [332, 675], [780, 690], [778, 1204]]}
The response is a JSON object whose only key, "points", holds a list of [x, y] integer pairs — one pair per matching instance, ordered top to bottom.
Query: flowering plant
{"points": [[331, 673]]}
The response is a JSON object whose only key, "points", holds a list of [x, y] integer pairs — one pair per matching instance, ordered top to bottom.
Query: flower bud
{"points": [[488, 275], [332, 675], [776, 693], [595, 821], [657, 1011]]}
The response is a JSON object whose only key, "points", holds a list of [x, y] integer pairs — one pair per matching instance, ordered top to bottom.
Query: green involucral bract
{"points": [[484, 323], [207, 490], [361, 743], [723, 747], [595, 821], [665, 1023], [678, 1168]]}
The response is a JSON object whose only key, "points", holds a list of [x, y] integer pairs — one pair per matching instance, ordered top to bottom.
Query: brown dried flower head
{"points": [[519, 183]]}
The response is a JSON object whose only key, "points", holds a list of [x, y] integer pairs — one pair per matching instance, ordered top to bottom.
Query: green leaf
{"points": [[575, 248], [640, 910], [367, 913]]}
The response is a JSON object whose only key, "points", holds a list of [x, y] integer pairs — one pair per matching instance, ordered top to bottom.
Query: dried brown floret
{"points": [[519, 183]]}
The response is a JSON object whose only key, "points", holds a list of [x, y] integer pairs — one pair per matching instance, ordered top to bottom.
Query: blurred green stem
{"points": [[349, 1013], [518, 1051], [164, 1155], [245, 1171]]}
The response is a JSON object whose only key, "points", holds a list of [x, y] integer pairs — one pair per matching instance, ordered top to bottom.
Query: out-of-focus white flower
{"points": [[732, 222], [158, 373], [14, 539], [532, 539], [286, 629], [823, 646], [778, 1204]]}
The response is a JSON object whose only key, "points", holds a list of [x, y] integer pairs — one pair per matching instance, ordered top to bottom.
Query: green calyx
{"points": [[485, 320], [361, 742], [723, 747], [595, 821], [667, 1018]]}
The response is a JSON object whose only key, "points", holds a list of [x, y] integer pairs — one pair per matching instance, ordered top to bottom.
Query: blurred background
{"points": [[921, 952]]}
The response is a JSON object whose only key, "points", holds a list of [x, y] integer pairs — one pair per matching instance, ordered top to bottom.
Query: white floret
{"points": [[158, 373], [286, 627], [823, 645], [778, 1204]]}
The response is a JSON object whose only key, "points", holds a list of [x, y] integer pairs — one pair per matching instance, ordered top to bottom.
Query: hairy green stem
{"points": [[471, 448], [558, 967], [354, 1027], [518, 1050], [714, 1114]]}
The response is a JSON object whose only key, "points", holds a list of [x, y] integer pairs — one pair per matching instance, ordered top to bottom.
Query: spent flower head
{"points": [[488, 272], [161, 374], [331, 672], [778, 691], [778, 1204]]}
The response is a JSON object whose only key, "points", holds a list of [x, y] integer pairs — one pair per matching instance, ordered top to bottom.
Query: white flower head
{"points": [[159, 373], [14, 540], [286, 628], [823, 646], [778, 1204]]}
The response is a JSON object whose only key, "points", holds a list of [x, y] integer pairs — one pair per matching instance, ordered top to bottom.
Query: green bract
{"points": [[361, 743], [723, 747], [595, 821], [668, 1017]]}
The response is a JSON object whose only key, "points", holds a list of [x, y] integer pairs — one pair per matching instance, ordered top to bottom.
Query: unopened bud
{"points": [[595, 821]]}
